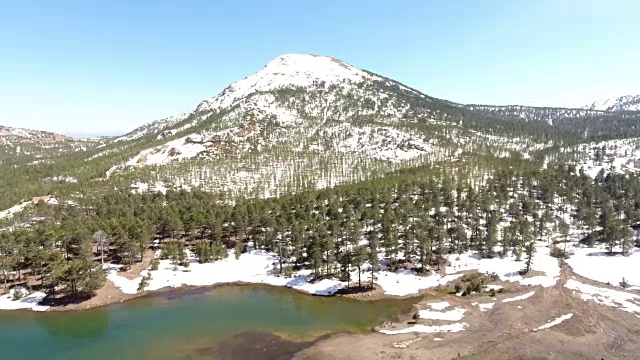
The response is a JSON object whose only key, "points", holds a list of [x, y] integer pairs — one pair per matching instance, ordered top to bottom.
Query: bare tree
{"points": [[101, 240]]}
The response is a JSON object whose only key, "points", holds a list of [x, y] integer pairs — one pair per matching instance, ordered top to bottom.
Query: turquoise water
{"points": [[175, 325]]}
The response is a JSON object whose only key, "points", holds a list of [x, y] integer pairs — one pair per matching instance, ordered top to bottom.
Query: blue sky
{"points": [[109, 66]]}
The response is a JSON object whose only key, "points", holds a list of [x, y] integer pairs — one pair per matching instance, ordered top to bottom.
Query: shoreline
{"points": [[99, 301]]}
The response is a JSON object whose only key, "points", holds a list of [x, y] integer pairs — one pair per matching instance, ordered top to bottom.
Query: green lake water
{"points": [[185, 324]]}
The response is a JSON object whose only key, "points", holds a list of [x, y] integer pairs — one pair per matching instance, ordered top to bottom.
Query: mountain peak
{"points": [[307, 62], [287, 70], [621, 103]]}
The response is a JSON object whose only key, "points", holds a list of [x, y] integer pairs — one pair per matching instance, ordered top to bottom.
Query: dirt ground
{"points": [[109, 293], [504, 332]]}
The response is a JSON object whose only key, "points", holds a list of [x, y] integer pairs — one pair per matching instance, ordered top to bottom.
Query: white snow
{"points": [[286, 71], [621, 103], [154, 126], [382, 143], [178, 149], [619, 156], [68, 179], [139, 187], [5, 214], [595, 264], [256, 266], [252, 267], [508, 268], [406, 282], [518, 298], [618, 299], [28, 301], [439, 305], [485, 306], [451, 315], [555, 322], [428, 329]]}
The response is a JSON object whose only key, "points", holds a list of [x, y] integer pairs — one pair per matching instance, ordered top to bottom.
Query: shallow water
{"points": [[188, 324]]}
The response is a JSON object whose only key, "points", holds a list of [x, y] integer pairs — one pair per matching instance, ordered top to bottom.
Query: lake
{"points": [[224, 322]]}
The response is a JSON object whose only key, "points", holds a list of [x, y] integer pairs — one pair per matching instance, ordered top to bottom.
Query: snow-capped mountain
{"points": [[292, 70], [622, 103], [306, 120], [312, 121]]}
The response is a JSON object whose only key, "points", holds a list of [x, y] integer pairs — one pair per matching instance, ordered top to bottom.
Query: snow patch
{"points": [[5, 214], [508, 268], [518, 298], [619, 299], [28, 301], [439, 305], [485, 306], [452, 315], [555, 322], [428, 329]]}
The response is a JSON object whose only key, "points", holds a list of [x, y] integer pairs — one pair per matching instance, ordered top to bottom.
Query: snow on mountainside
{"points": [[287, 71], [325, 80], [622, 103], [531, 113], [303, 119], [309, 119], [153, 126], [9, 135], [21, 146], [620, 156]]}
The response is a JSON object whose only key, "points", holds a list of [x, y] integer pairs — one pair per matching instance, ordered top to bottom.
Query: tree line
{"points": [[411, 218]]}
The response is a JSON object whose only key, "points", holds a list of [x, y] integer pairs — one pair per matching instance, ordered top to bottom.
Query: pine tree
{"points": [[101, 240], [530, 250], [203, 251]]}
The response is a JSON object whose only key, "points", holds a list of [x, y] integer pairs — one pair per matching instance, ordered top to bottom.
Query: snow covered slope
{"points": [[292, 70], [622, 103], [315, 114], [308, 119], [21, 146], [620, 156]]}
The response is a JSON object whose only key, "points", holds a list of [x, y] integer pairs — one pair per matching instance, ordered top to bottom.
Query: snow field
{"points": [[595, 264], [256, 266], [508, 269], [619, 299], [28, 301]]}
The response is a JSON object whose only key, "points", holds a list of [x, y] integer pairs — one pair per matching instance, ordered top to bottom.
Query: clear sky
{"points": [[111, 65]]}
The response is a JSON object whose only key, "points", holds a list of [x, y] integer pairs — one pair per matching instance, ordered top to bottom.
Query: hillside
{"points": [[622, 103], [307, 121], [301, 122], [20, 146]]}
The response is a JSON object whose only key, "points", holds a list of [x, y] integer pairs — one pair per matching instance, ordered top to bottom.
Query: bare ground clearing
{"points": [[504, 332]]}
